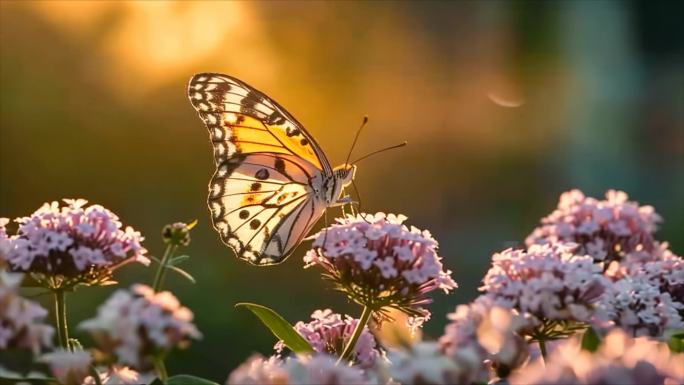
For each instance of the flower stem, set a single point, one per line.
(96, 376)
(363, 321)
(161, 270)
(542, 348)
(160, 368)
(61, 319)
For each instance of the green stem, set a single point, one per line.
(95, 374)
(161, 270)
(363, 321)
(160, 368)
(61, 319)
(542, 348)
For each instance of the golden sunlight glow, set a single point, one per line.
(396, 333)
(151, 42)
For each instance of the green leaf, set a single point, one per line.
(182, 272)
(184, 379)
(157, 381)
(676, 343)
(175, 261)
(590, 340)
(279, 327)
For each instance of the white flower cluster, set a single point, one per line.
(134, 324)
(620, 359)
(547, 281)
(304, 370)
(21, 321)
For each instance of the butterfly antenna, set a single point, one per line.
(381, 150)
(356, 137)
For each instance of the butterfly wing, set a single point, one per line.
(255, 122)
(261, 193)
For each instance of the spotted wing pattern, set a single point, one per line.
(260, 196)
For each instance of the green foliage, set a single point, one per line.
(590, 340)
(676, 343)
(279, 327)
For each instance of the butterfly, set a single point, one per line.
(272, 181)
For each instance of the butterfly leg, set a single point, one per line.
(325, 236)
(345, 200)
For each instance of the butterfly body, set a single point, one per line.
(272, 181)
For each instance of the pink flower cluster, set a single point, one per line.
(620, 359)
(608, 230)
(316, 369)
(482, 334)
(71, 239)
(648, 296)
(424, 363)
(69, 368)
(21, 321)
(378, 261)
(329, 333)
(137, 323)
(4, 242)
(120, 375)
(645, 291)
(547, 281)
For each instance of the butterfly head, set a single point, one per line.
(342, 177)
(344, 174)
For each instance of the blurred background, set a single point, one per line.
(505, 105)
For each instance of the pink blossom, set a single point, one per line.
(69, 368)
(137, 323)
(620, 359)
(120, 375)
(379, 262)
(547, 281)
(483, 334)
(425, 363)
(22, 322)
(73, 241)
(608, 230)
(302, 370)
(329, 332)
